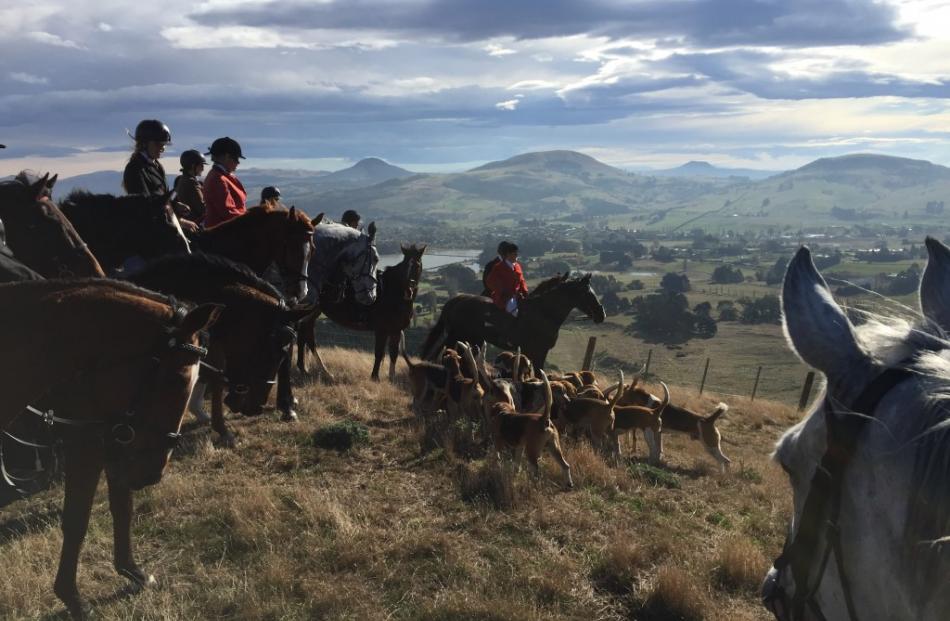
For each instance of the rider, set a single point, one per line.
(225, 197)
(144, 174)
(351, 219)
(270, 197)
(506, 281)
(502, 249)
(188, 189)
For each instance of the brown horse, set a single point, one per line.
(475, 319)
(120, 227)
(264, 236)
(110, 367)
(39, 234)
(251, 337)
(388, 316)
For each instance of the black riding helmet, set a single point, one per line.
(152, 129)
(225, 146)
(190, 158)
(270, 192)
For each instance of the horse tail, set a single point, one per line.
(428, 348)
(402, 350)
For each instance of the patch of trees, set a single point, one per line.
(614, 304)
(726, 274)
(727, 310)
(905, 282)
(622, 260)
(663, 255)
(667, 318)
(459, 279)
(766, 309)
(846, 213)
(883, 255)
(675, 283)
(552, 267)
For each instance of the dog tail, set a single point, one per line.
(516, 367)
(548, 397)
(470, 363)
(721, 409)
(613, 402)
(666, 399)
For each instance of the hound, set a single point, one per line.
(629, 418)
(426, 384)
(596, 416)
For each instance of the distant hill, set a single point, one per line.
(705, 169)
(368, 171)
(551, 184)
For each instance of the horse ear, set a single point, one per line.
(291, 213)
(371, 230)
(566, 275)
(586, 278)
(817, 328)
(318, 219)
(935, 285)
(199, 318)
(403, 249)
(39, 186)
(52, 182)
(422, 249)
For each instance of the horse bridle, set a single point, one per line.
(120, 429)
(824, 498)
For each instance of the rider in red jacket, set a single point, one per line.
(225, 197)
(506, 281)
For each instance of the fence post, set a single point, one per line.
(589, 354)
(806, 390)
(755, 387)
(702, 384)
(646, 368)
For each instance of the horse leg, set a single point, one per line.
(120, 505)
(82, 476)
(306, 339)
(285, 392)
(393, 354)
(217, 414)
(380, 352)
(196, 404)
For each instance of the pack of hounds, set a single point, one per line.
(525, 412)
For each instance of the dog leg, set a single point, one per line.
(554, 448)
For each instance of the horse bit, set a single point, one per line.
(824, 495)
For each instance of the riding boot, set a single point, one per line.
(196, 405)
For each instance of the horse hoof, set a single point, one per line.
(228, 440)
(289, 416)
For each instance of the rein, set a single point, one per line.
(824, 498)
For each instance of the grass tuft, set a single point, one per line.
(740, 566)
(657, 477)
(341, 436)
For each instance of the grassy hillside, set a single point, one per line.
(282, 529)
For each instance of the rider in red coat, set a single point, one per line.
(225, 197)
(506, 281)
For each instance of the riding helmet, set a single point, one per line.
(270, 192)
(226, 146)
(189, 158)
(152, 129)
(350, 217)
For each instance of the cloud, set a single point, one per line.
(700, 22)
(51, 39)
(494, 49)
(510, 104)
(28, 78)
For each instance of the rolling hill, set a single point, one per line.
(705, 169)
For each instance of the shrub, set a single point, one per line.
(674, 596)
(655, 476)
(617, 570)
(341, 436)
(740, 566)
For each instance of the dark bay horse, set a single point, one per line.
(39, 234)
(252, 336)
(110, 367)
(120, 227)
(388, 316)
(262, 237)
(474, 319)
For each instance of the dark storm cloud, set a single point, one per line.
(698, 22)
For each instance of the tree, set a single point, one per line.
(675, 283)
(663, 255)
(727, 311)
(666, 318)
(906, 281)
(766, 309)
(460, 279)
(726, 274)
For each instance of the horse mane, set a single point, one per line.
(924, 350)
(122, 286)
(216, 267)
(84, 199)
(551, 284)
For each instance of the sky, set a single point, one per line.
(447, 85)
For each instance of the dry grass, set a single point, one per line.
(281, 529)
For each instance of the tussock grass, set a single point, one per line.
(280, 529)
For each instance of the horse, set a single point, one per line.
(474, 319)
(120, 227)
(870, 465)
(39, 234)
(388, 316)
(248, 341)
(261, 237)
(110, 368)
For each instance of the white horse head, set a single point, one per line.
(358, 262)
(870, 465)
